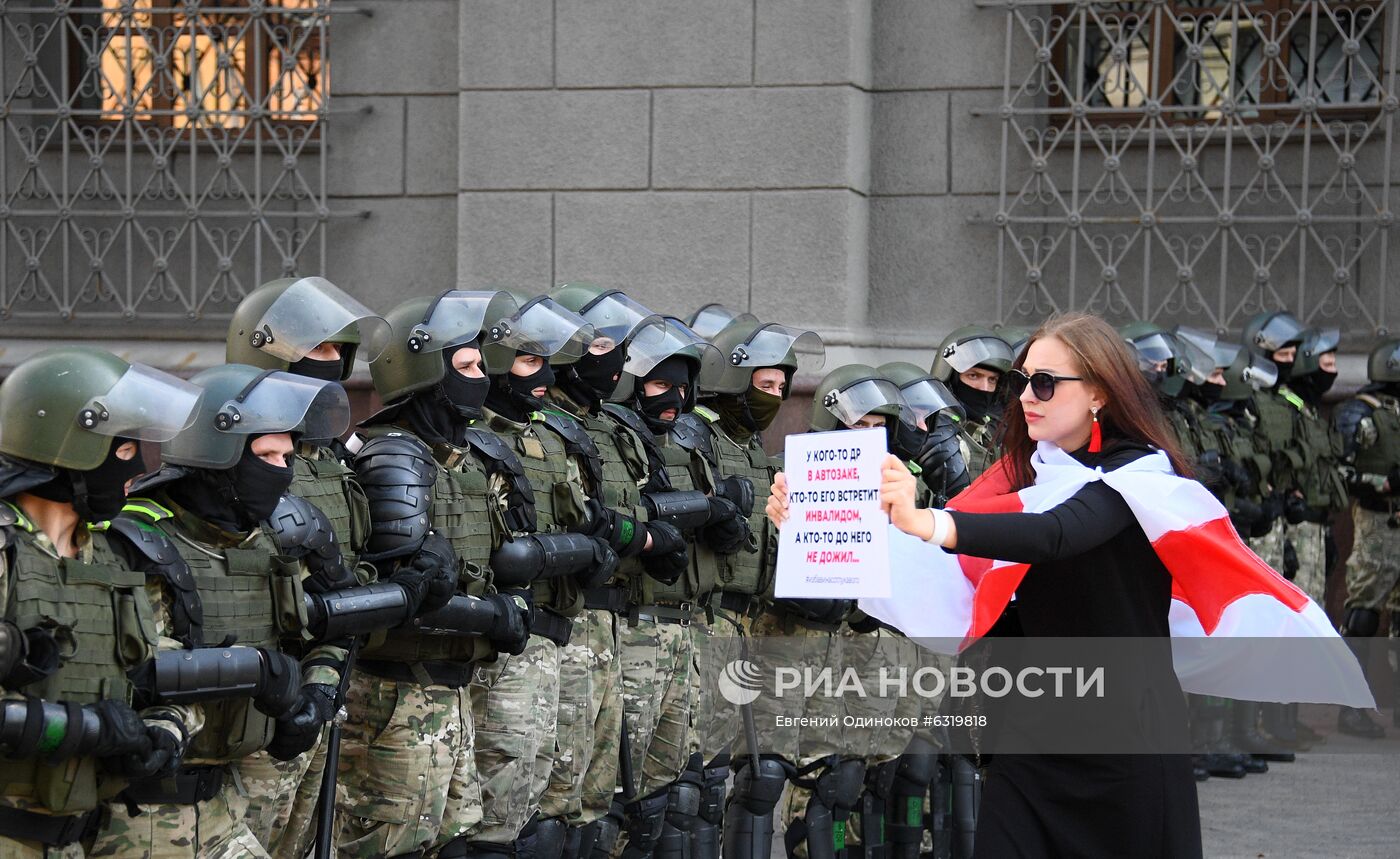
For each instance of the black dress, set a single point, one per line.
(1092, 573)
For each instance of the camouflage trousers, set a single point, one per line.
(1308, 544)
(585, 769)
(13, 848)
(272, 791)
(658, 699)
(216, 829)
(292, 838)
(514, 700)
(1373, 570)
(718, 722)
(406, 765)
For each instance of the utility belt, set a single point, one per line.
(1376, 505)
(734, 602)
(551, 625)
(824, 615)
(188, 786)
(48, 829)
(682, 613)
(454, 675)
(606, 599)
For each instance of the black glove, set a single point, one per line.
(430, 578)
(279, 689)
(738, 491)
(604, 565)
(26, 656)
(1295, 509)
(121, 732)
(160, 760)
(1290, 561)
(1245, 516)
(624, 535)
(1237, 476)
(940, 458)
(297, 732)
(727, 529)
(1272, 508)
(667, 559)
(510, 632)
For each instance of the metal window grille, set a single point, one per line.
(158, 159)
(1199, 161)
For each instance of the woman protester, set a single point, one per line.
(1092, 572)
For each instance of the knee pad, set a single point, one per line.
(550, 835)
(683, 800)
(644, 821)
(607, 828)
(840, 785)
(758, 792)
(1361, 623)
(712, 791)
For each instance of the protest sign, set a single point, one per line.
(835, 544)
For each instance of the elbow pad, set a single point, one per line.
(397, 473)
(357, 611)
(528, 558)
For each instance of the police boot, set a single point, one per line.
(904, 813)
(605, 832)
(967, 798)
(682, 811)
(748, 815)
(1281, 724)
(550, 835)
(879, 784)
(1359, 625)
(1220, 758)
(1248, 738)
(705, 837)
(834, 795)
(1358, 723)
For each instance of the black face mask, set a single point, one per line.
(1207, 393)
(763, 408)
(601, 372)
(905, 441)
(464, 394)
(1312, 386)
(979, 404)
(97, 495)
(510, 395)
(257, 485)
(326, 371)
(652, 407)
(1285, 371)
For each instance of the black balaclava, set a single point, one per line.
(978, 404)
(326, 371)
(675, 370)
(1206, 393)
(443, 412)
(905, 440)
(98, 494)
(1313, 385)
(236, 499)
(601, 372)
(1285, 370)
(509, 395)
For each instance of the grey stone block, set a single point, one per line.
(921, 44)
(554, 140)
(365, 151)
(506, 43)
(909, 143)
(976, 149)
(430, 167)
(657, 43)
(930, 270)
(809, 257)
(672, 251)
(812, 42)
(761, 138)
(402, 250)
(504, 238)
(404, 48)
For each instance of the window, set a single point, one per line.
(1265, 59)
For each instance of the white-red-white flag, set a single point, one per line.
(1239, 629)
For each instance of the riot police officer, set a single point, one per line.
(930, 442)
(971, 361)
(77, 614)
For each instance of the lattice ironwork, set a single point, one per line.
(160, 158)
(1200, 161)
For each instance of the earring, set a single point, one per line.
(1095, 434)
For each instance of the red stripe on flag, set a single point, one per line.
(1212, 567)
(994, 587)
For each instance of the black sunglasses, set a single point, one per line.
(1042, 383)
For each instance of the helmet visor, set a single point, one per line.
(854, 402)
(654, 344)
(282, 402)
(617, 317)
(313, 311)
(1209, 343)
(928, 397)
(1321, 341)
(1279, 331)
(1260, 373)
(144, 403)
(769, 347)
(457, 317)
(712, 318)
(1154, 347)
(543, 327)
(992, 351)
(1193, 362)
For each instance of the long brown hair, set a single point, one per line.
(1132, 413)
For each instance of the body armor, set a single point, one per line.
(749, 571)
(979, 445)
(681, 464)
(1378, 444)
(98, 611)
(322, 479)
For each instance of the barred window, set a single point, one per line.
(1261, 59)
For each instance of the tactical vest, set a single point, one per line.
(1383, 454)
(979, 445)
(1277, 434)
(331, 486)
(465, 515)
(99, 614)
(750, 570)
(623, 471)
(252, 597)
(682, 466)
(1323, 487)
(1238, 437)
(1185, 432)
(559, 500)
